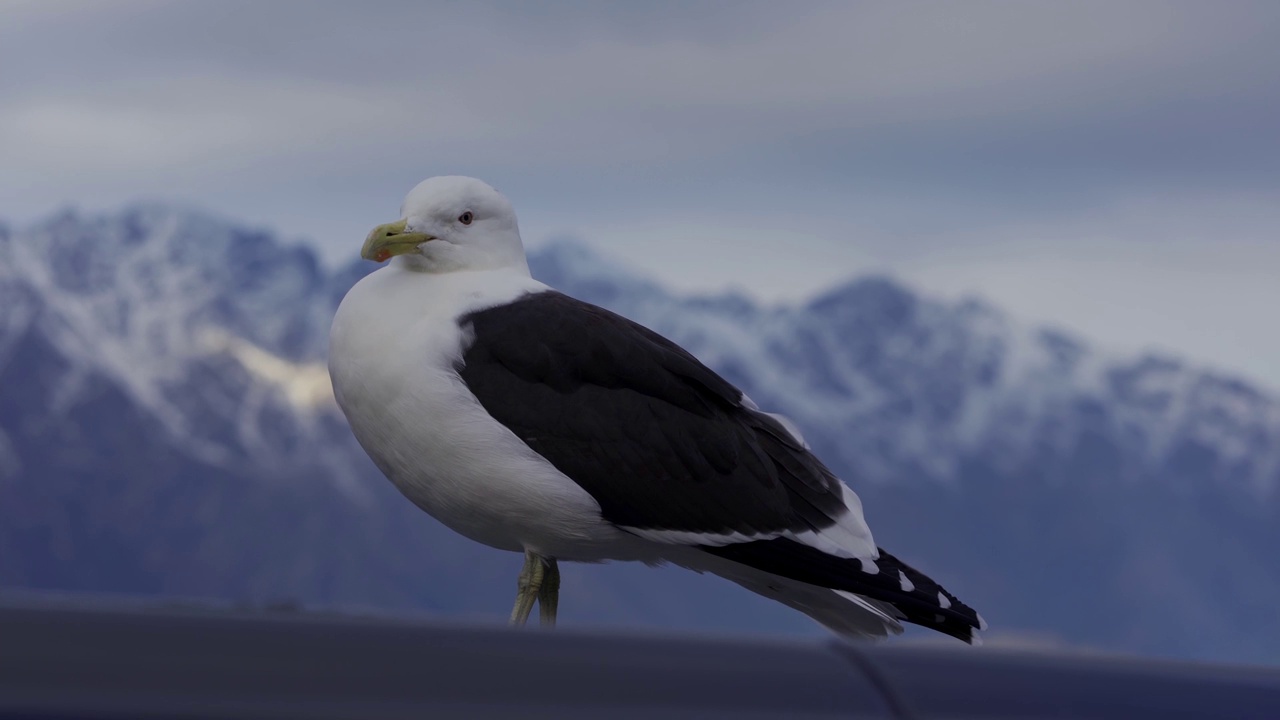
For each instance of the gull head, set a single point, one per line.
(450, 223)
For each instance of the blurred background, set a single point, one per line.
(1010, 265)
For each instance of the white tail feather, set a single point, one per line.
(841, 612)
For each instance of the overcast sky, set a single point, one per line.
(1110, 167)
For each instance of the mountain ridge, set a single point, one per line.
(165, 428)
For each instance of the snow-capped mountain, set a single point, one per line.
(166, 427)
(211, 332)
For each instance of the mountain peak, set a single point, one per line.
(131, 298)
(879, 294)
(575, 267)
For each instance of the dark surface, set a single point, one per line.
(1024, 685)
(73, 663)
(78, 662)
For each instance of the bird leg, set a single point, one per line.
(527, 587)
(539, 582)
(549, 594)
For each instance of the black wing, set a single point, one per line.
(656, 437)
(663, 443)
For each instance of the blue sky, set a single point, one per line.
(1110, 167)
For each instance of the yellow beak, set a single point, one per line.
(387, 241)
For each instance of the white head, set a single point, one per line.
(451, 223)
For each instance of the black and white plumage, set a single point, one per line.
(533, 422)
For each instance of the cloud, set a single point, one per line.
(582, 89)
(759, 144)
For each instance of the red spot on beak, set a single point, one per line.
(381, 255)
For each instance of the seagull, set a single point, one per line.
(533, 422)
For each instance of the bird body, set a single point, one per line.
(533, 422)
(433, 439)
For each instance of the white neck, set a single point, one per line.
(442, 257)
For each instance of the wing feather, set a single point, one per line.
(660, 440)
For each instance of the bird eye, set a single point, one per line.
(466, 218)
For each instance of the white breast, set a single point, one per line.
(393, 349)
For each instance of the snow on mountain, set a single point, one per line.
(166, 426)
(218, 332)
